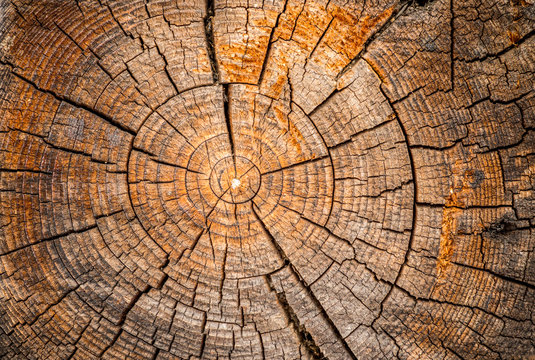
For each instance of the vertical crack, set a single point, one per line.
(223, 273)
(270, 43)
(331, 162)
(228, 120)
(166, 69)
(204, 335)
(210, 42)
(414, 203)
(452, 64)
(263, 351)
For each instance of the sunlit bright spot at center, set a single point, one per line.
(235, 183)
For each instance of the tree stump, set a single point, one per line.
(282, 179)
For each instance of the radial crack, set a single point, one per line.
(309, 291)
(72, 102)
(395, 14)
(210, 41)
(305, 338)
(228, 120)
(296, 164)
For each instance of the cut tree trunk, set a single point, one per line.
(254, 179)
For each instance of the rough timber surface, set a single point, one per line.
(267, 179)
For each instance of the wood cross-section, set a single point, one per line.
(267, 179)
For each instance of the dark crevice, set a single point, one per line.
(65, 149)
(499, 276)
(228, 120)
(333, 173)
(305, 338)
(163, 162)
(223, 267)
(210, 42)
(131, 202)
(296, 164)
(127, 34)
(32, 171)
(156, 353)
(52, 238)
(423, 2)
(437, 148)
(113, 341)
(395, 14)
(414, 206)
(270, 43)
(71, 102)
(452, 58)
(166, 69)
(227, 116)
(68, 36)
(505, 50)
(203, 345)
(112, 213)
(204, 334)
(294, 272)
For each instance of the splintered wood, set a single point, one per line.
(267, 179)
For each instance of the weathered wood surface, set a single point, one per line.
(267, 179)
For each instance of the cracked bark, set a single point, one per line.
(279, 180)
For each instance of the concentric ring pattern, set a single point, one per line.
(274, 179)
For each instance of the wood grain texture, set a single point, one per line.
(267, 179)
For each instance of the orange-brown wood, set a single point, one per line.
(283, 179)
